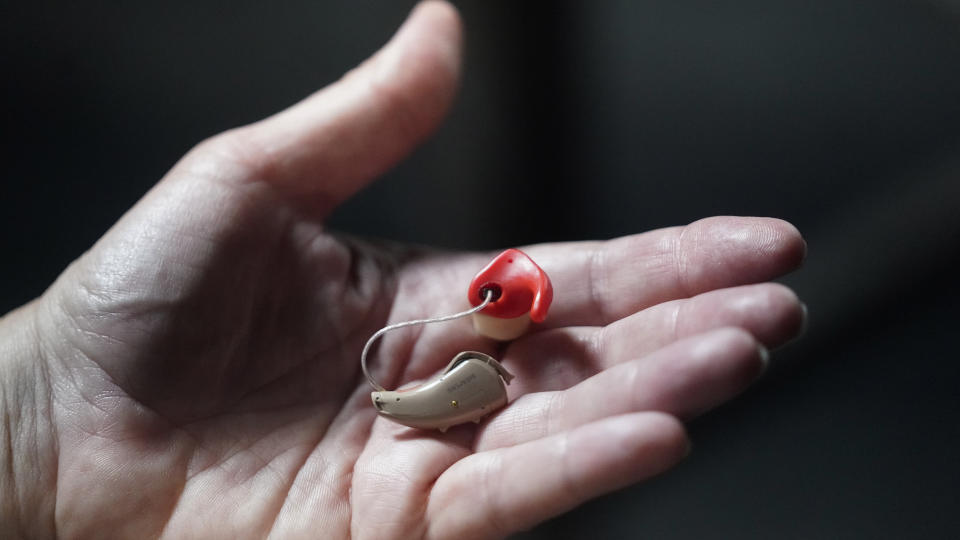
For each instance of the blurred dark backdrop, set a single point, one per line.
(590, 120)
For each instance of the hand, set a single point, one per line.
(196, 373)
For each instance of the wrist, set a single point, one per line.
(28, 463)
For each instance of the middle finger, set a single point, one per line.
(559, 358)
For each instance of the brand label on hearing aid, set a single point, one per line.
(461, 383)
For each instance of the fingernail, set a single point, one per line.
(804, 319)
(764, 356)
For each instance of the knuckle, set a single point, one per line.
(235, 153)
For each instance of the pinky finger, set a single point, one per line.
(501, 491)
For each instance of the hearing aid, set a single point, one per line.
(521, 293)
(471, 386)
(507, 295)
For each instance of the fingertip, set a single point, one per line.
(417, 72)
(673, 437)
(745, 357)
(772, 312)
(798, 325)
(731, 250)
(790, 242)
(728, 340)
(778, 238)
(438, 21)
(445, 15)
(632, 446)
(781, 317)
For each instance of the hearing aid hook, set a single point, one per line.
(366, 348)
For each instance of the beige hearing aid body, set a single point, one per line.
(471, 387)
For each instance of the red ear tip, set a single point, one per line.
(522, 285)
(541, 302)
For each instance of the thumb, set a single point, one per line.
(325, 148)
(213, 225)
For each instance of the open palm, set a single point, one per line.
(202, 358)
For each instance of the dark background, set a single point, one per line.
(590, 120)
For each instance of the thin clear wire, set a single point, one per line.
(385, 329)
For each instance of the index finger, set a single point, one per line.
(597, 283)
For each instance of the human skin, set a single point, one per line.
(196, 374)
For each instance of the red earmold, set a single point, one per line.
(518, 286)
